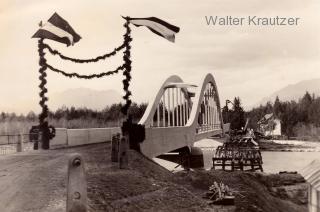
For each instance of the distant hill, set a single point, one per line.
(78, 97)
(294, 91)
(84, 97)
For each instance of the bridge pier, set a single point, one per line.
(196, 158)
(187, 157)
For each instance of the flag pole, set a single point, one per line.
(44, 109)
(44, 130)
(127, 67)
(127, 123)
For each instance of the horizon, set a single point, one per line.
(246, 109)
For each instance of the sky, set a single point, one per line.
(246, 61)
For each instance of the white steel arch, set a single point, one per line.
(176, 117)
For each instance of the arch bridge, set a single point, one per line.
(181, 114)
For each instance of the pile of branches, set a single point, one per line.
(220, 194)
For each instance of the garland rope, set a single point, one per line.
(127, 67)
(91, 76)
(102, 57)
(49, 131)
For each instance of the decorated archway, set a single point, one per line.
(58, 29)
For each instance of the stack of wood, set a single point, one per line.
(220, 194)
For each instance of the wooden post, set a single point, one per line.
(19, 144)
(260, 167)
(213, 165)
(232, 165)
(115, 147)
(223, 164)
(252, 164)
(77, 185)
(36, 142)
(241, 164)
(123, 152)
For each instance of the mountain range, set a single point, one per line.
(99, 99)
(78, 97)
(84, 97)
(294, 91)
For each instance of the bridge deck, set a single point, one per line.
(33, 181)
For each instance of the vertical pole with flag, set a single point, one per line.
(57, 29)
(135, 132)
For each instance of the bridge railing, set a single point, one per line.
(174, 102)
(173, 108)
(209, 112)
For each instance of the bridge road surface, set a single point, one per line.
(33, 181)
(36, 180)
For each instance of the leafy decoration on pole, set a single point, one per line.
(127, 67)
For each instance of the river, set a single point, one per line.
(273, 162)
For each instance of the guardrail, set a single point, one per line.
(12, 143)
(76, 137)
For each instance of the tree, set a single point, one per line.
(3, 116)
(237, 115)
(277, 109)
(314, 113)
(268, 108)
(303, 107)
(31, 116)
(226, 114)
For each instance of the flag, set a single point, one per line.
(57, 29)
(157, 26)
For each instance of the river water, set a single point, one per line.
(273, 162)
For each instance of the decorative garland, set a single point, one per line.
(91, 76)
(127, 67)
(102, 57)
(44, 90)
(49, 131)
(47, 134)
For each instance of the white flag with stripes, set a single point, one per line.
(157, 26)
(57, 29)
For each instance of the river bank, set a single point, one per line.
(277, 155)
(289, 145)
(146, 186)
(254, 192)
